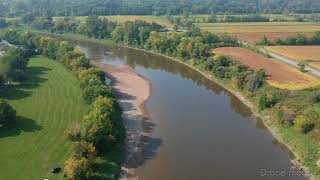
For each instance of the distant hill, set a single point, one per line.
(155, 7)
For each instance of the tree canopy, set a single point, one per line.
(153, 7)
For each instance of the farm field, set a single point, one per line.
(122, 18)
(47, 103)
(279, 74)
(254, 32)
(299, 53)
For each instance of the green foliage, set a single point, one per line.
(245, 18)
(97, 125)
(7, 113)
(267, 101)
(3, 23)
(300, 39)
(154, 7)
(265, 41)
(77, 168)
(90, 93)
(98, 28)
(304, 123)
(13, 65)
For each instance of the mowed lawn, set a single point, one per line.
(255, 31)
(47, 103)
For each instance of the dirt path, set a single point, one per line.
(132, 90)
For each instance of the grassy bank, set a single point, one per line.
(47, 103)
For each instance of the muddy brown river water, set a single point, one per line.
(199, 130)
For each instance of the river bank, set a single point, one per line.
(242, 96)
(132, 91)
(296, 161)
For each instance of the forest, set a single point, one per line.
(14, 8)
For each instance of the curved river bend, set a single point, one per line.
(199, 130)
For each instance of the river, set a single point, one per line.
(199, 130)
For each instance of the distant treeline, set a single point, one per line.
(154, 7)
(101, 130)
(242, 18)
(299, 39)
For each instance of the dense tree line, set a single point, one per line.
(101, 129)
(241, 18)
(154, 7)
(193, 44)
(13, 64)
(299, 39)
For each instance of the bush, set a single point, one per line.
(84, 149)
(74, 134)
(90, 93)
(90, 80)
(288, 117)
(263, 102)
(7, 113)
(304, 123)
(77, 168)
(255, 80)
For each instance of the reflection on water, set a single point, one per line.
(198, 129)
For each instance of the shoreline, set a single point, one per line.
(132, 91)
(265, 118)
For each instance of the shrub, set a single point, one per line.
(7, 113)
(255, 80)
(288, 117)
(90, 93)
(77, 168)
(263, 102)
(268, 100)
(74, 134)
(264, 41)
(90, 80)
(92, 71)
(304, 123)
(84, 149)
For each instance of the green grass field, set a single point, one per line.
(47, 103)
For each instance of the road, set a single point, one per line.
(310, 70)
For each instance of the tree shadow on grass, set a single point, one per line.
(20, 90)
(22, 124)
(106, 166)
(33, 79)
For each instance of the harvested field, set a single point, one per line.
(279, 74)
(299, 53)
(253, 32)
